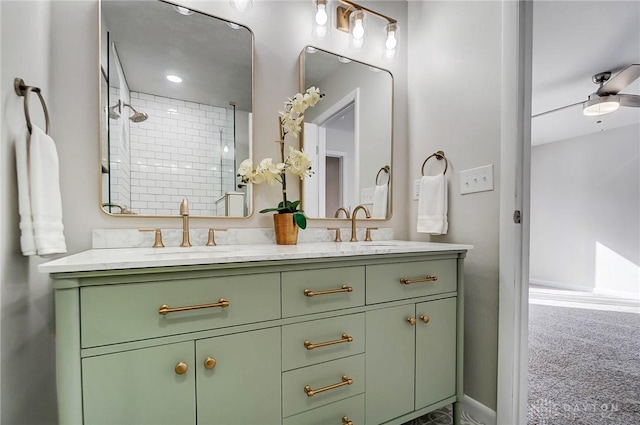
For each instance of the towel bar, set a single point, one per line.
(387, 170)
(24, 90)
(439, 155)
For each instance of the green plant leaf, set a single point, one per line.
(300, 220)
(266, 210)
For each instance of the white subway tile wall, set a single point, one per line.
(120, 170)
(184, 150)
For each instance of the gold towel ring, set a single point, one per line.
(24, 90)
(387, 170)
(439, 156)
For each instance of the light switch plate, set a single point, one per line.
(416, 189)
(366, 195)
(476, 180)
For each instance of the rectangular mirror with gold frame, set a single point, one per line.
(348, 135)
(176, 112)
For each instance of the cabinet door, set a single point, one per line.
(243, 386)
(390, 355)
(435, 351)
(140, 387)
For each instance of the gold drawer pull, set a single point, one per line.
(181, 368)
(425, 319)
(165, 309)
(345, 338)
(345, 381)
(427, 278)
(310, 293)
(346, 421)
(209, 363)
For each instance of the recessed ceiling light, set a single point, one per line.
(183, 10)
(233, 25)
(174, 78)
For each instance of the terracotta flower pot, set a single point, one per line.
(286, 229)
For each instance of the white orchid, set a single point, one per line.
(297, 162)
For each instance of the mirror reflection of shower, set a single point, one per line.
(116, 110)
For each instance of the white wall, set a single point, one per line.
(454, 73)
(26, 312)
(57, 49)
(585, 209)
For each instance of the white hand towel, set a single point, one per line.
(44, 194)
(432, 205)
(380, 195)
(27, 237)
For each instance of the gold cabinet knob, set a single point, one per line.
(209, 363)
(181, 368)
(411, 320)
(425, 319)
(346, 421)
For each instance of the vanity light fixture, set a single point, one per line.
(597, 105)
(183, 10)
(321, 20)
(241, 5)
(174, 78)
(352, 19)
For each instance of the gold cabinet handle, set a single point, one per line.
(344, 288)
(165, 309)
(310, 346)
(411, 320)
(209, 362)
(425, 319)
(427, 278)
(345, 381)
(181, 368)
(346, 421)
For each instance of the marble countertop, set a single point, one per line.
(134, 258)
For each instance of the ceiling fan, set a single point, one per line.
(607, 97)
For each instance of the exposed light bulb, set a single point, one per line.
(358, 29)
(174, 78)
(392, 41)
(241, 5)
(226, 149)
(321, 15)
(321, 31)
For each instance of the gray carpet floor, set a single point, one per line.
(584, 366)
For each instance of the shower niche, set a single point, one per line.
(176, 110)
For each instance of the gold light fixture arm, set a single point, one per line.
(366, 9)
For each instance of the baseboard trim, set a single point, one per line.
(560, 285)
(479, 411)
(618, 294)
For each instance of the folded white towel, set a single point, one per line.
(432, 205)
(380, 196)
(27, 237)
(39, 198)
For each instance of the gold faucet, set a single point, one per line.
(337, 229)
(184, 212)
(354, 238)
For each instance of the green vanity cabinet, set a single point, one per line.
(141, 386)
(238, 378)
(361, 339)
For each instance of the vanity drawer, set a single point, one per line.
(331, 339)
(318, 377)
(316, 283)
(352, 409)
(128, 312)
(384, 284)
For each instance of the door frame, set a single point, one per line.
(515, 164)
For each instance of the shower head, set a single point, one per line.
(137, 116)
(114, 111)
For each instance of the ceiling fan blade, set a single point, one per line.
(620, 81)
(632, 100)
(556, 110)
